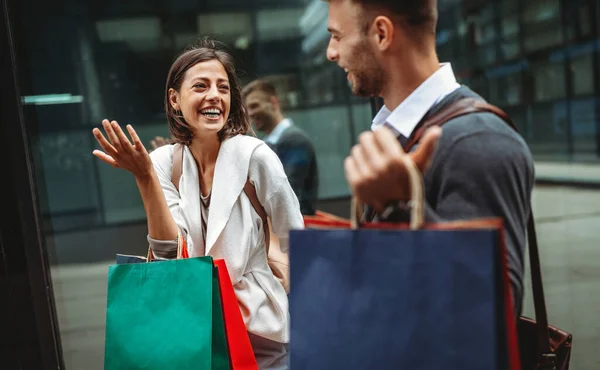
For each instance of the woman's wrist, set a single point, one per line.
(145, 179)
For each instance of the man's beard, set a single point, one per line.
(264, 122)
(368, 81)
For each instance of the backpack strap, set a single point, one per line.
(177, 169)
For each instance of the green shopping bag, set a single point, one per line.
(165, 315)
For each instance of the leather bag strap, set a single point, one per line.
(468, 106)
(177, 169)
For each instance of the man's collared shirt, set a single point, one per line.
(405, 117)
(275, 135)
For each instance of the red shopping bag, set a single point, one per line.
(240, 349)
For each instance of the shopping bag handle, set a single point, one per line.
(417, 208)
(181, 248)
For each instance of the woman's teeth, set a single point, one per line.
(211, 113)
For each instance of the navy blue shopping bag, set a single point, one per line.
(392, 298)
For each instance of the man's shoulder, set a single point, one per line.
(294, 135)
(483, 124)
(484, 142)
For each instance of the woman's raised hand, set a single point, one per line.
(119, 152)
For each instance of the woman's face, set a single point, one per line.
(204, 98)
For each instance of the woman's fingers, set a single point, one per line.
(137, 143)
(105, 158)
(123, 140)
(120, 152)
(108, 148)
(110, 133)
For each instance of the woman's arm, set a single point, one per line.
(161, 225)
(119, 152)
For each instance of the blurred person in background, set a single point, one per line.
(290, 143)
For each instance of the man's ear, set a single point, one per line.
(274, 101)
(383, 32)
(174, 99)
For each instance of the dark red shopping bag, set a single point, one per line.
(240, 349)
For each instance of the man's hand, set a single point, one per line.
(375, 171)
(160, 141)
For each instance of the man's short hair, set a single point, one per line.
(417, 14)
(264, 86)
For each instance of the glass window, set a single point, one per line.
(487, 54)
(510, 44)
(549, 81)
(584, 19)
(510, 26)
(510, 6)
(582, 70)
(518, 116)
(506, 90)
(71, 198)
(362, 118)
(480, 84)
(542, 25)
(513, 89)
(511, 49)
(579, 16)
(585, 121)
(322, 124)
(446, 44)
(549, 127)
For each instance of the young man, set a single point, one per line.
(292, 145)
(481, 167)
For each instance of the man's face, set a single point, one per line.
(349, 47)
(261, 110)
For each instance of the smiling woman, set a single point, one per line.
(198, 76)
(209, 206)
(203, 98)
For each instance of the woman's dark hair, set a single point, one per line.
(205, 50)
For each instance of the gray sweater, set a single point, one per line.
(482, 168)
